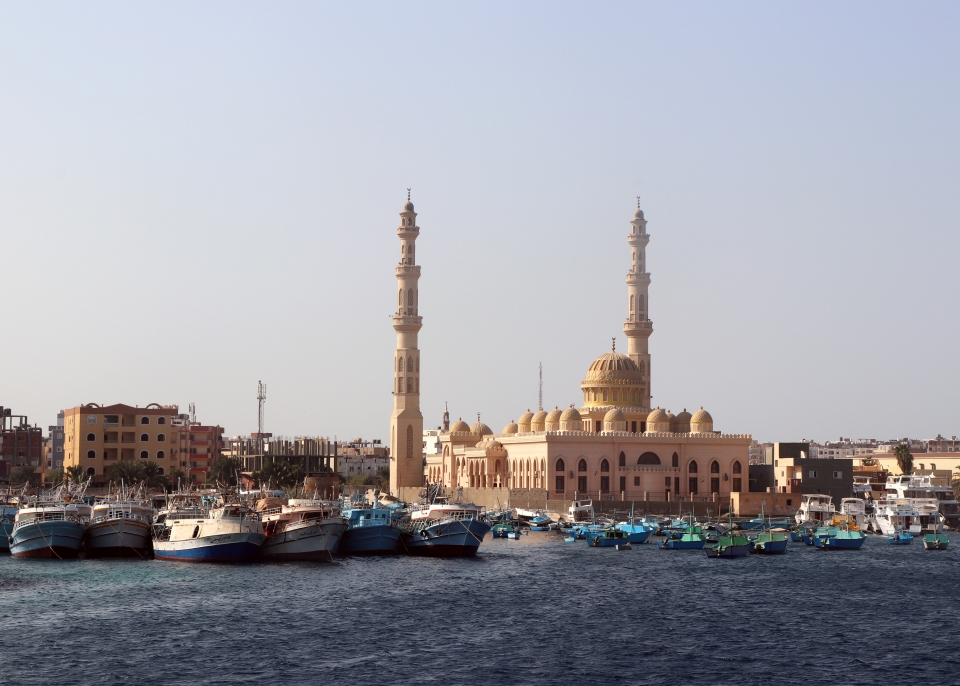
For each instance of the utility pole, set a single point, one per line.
(540, 405)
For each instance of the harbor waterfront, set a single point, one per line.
(521, 611)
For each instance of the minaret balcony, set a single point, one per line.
(636, 238)
(640, 325)
(642, 278)
(408, 269)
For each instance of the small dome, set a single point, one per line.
(489, 444)
(539, 418)
(658, 416)
(701, 416)
(511, 428)
(460, 427)
(638, 214)
(481, 429)
(554, 416)
(683, 417)
(614, 415)
(671, 416)
(408, 207)
(525, 417)
(571, 415)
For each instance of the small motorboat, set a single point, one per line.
(938, 541)
(839, 538)
(772, 542)
(900, 538)
(610, 538)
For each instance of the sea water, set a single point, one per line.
(533, 611)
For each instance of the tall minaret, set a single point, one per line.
(406, 422)
(638, 326)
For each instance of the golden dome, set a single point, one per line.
(612, 368)
(701, 416)
(539, 418)
(683, 417)
(525, 417)
(571, 415)
(481, 429)
(511, 428)
(614, 415)
(490, 445)
(554, 416)
(658, 416)
(460, 427)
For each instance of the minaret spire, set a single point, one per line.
(406, 422)
(638, 326)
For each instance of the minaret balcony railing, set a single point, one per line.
(641, 324)
(408, 269)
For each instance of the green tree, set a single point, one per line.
(152, 478)
(126, 471)
(54, 477)
(361, 480)
(75, 473)
(25, 474)
(904, 459)
(226, 469)
(279, 474)
(176, 476)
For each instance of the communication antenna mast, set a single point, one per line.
(541, 386)
(261, 399)
(193, 413)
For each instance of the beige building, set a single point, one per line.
(97, 436)
(614, 445)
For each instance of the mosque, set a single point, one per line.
(614, 446)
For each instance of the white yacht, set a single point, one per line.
(815, 507)
(855, 510)
(923, 487)
(895, 515)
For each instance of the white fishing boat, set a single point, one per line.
(121, 525)
(815, 507)
(303, 529)
(581, 511)
(227, 532)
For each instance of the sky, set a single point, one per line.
(195, 197)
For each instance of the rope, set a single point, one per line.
(45, 541)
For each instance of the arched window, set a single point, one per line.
(161, 454)
(144, 438)
(692, 468)
(400, 365)
(675, 462)
(737, 469)
(560, 465)
(409, 364)
(582, 466)
(631, 303)
(91, 437)
(714, 467)
(161, 420)
(160, 471)
(410, 300)
(409, 385)
(161, 438)
(648, 458)
(144, 455)
(623, 460)
(91, 471)
(409, 441)
(144, 420)
(91, 454)
(604, 466)
(641, 303)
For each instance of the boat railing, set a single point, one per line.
(359, 523)
(118, 515)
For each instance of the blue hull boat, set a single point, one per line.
(770, 547)
(370, 540)
(796, 537)
(233, 547)
(900, 538)
(832, 539)
(61, 539)
(446, 538)
(636, 533)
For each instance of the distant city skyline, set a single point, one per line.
(193, 199)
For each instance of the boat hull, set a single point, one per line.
(370, 540)
(315, 541)
(900, 539)
(61, 539)
(728, 550)
(935, 542)
(6, 530)
(118, 538)
(230, 547)
(834, 543)
(674, 544)
(451, 538)
(770, 547)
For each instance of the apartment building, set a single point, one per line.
(198, 447)
(96, 436)
(20, 443)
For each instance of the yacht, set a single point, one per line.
(924, 487)
(190, 532)
(855, 510)
(307, 529)
(896, 515)
(52, 526)
(121, 526)
(815, 507)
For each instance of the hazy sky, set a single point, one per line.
(198, 196)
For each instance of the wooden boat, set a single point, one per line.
(900, 538)
(938, 541)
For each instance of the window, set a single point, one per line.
(813, 473)
(599, 427)
(737, 483)
(560, 465)
(648, 458)
(693, 485)
(400, 363)
(633, 425)
(623, 460)
(715, 485)
(636, 481)
(91, 419)
(604, 484)
(409, 441)
(666, 482)
(838, 475)
(144, 455)
(144, 437)
(692, 468)
(161, 438)
(737, 469)
(616, 396)
(623, 484)
(91, 437)
(789, 502)
(582, 484)
(714, 468)
(675, 461)
(676, 484)
(91, 471)
(160, 471)
(582, 466)
(111, 419)
(91, 454)
(604, 466)
(559, 488)
(144, 420)
(604, 396)
(161, 420)
(160, 455)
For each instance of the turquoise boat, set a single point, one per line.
(938, 541)
(691, 539)
(730, 544)
(610, 538)
(837, 538)
(900, 538)
(772, 542)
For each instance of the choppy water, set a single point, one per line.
(534, 611)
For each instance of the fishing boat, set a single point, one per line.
(569, 539)
(610, 538)
(815, 507)
(52, 526)
(637, 530)
(305, 529)
(581, 512)
(839, 538)
(437, 528)
(770, 542)
(121, 525)
(370, 530)
(731, 544)
(8, 512)
(938, 541)
(900, 538)
(190, 532)
(692, 538)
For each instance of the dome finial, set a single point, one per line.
(613, 346)
(638, 201)
(408, 198)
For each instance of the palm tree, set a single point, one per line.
(75, 473)
(904, 459)
(152, 477)
(226, 470)
(127, 471)
(54, 477)
(25, 474)
(177, 477)
(282, 474)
